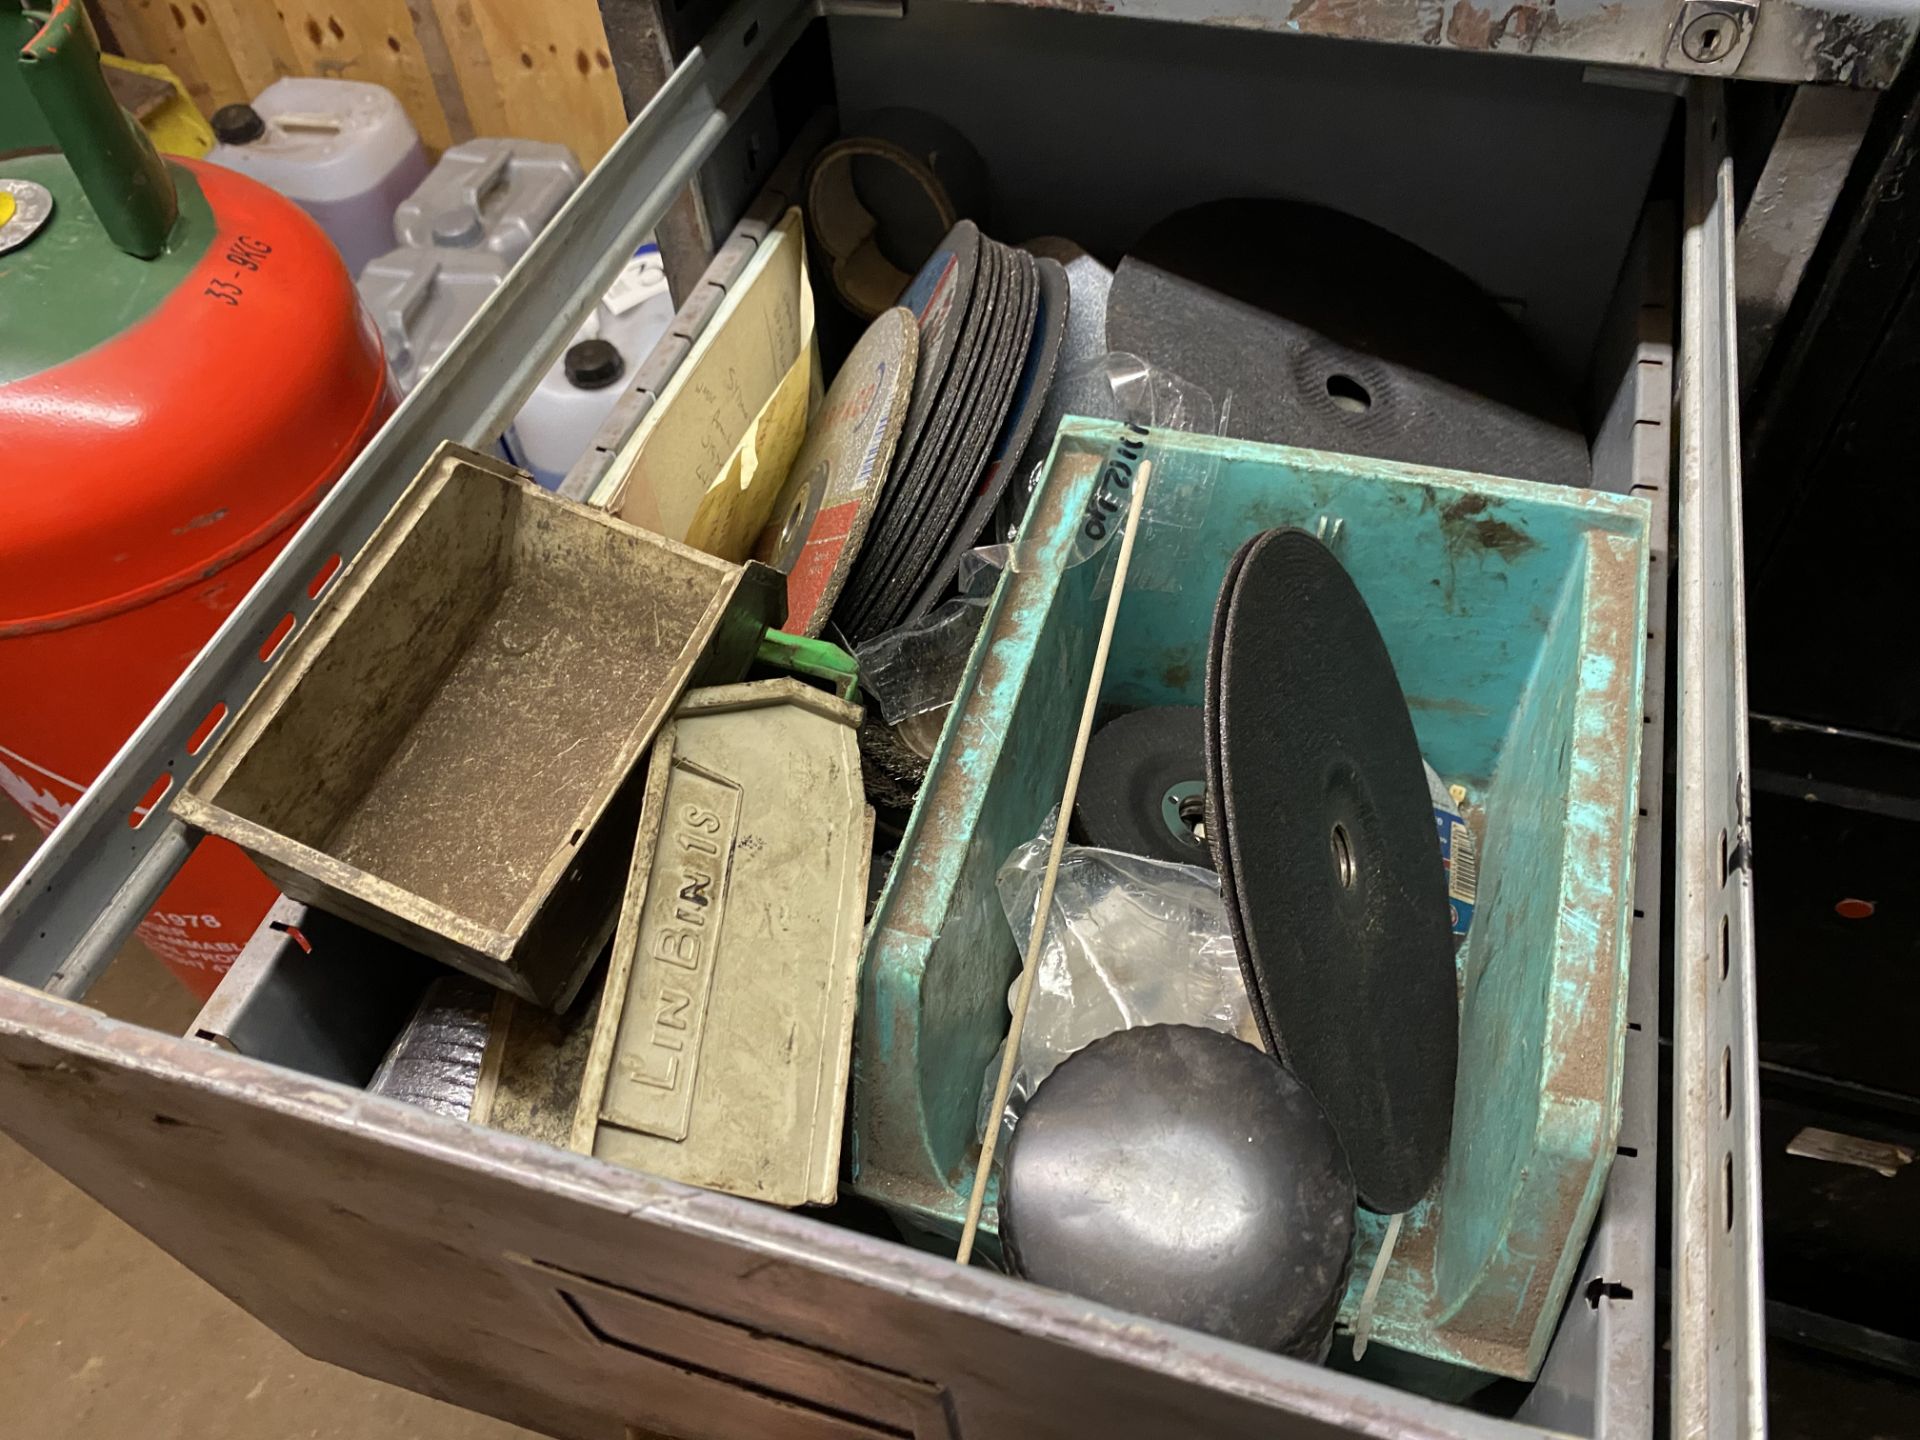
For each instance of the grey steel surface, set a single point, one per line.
(1598, 1377)
(66, 914)
(314, 993)
(641, 50)
(1428, 146)
(1719, 1322)
(522, 1280)
(1788, 212)
(1849, 42)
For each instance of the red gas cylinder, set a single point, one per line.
(169, 420)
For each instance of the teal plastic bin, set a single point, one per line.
(1516, 617)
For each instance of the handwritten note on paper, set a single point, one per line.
(709, 458)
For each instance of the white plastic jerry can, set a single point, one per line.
(575, 396)
(342, 150)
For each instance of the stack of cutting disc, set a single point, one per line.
(991, 318)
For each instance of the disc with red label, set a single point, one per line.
(821, 516)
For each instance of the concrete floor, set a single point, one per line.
(102, 1334)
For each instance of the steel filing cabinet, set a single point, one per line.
(1587, 184)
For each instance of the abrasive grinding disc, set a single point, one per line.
(938, 298)
(955, 474)
(1032, 383)
(820, 520)
(1331, 333)
(1143, 789)
(1323, 835)
(930, 420)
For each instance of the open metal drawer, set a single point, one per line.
(582, 1300)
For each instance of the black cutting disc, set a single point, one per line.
(1322, 830)
(1331, 333)
(1078, 386)
(1143, 789)
(931, 501)
(1033, 383)
(938, 297)
(898, 512)
(958, 473)
(1179, 1173)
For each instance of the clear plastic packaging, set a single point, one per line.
(1146, 400)
(1129, 941)
(916, 667)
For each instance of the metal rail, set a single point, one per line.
(1719, 1321)
(1823, 42)
(68, 912)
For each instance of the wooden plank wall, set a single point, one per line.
(539, 71)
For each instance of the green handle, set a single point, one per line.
(821, 659)
(124, 177)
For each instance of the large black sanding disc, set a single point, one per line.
(1331, 333)
(1179, 1173)
(1322, 830)
(1143, 787)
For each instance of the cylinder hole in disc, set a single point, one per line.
(1349, 394)
(1193, 814)
(1342, 848)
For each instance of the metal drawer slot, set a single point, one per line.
(1719, 1319)
(708, 1376)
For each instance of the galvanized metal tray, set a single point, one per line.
(720, 1057)
(447, 754)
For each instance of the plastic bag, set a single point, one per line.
(1130, 941)
(1150, 402)
(916, 667)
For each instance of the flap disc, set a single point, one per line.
(1322, 832)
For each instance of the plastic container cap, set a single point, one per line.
(459, 228)
(594, 364)
(238, 125)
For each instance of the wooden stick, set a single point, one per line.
(1363, 1323)
(1037, 935)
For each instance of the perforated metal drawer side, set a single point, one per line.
(1719, 1332)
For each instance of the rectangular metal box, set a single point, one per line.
(448, 753)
